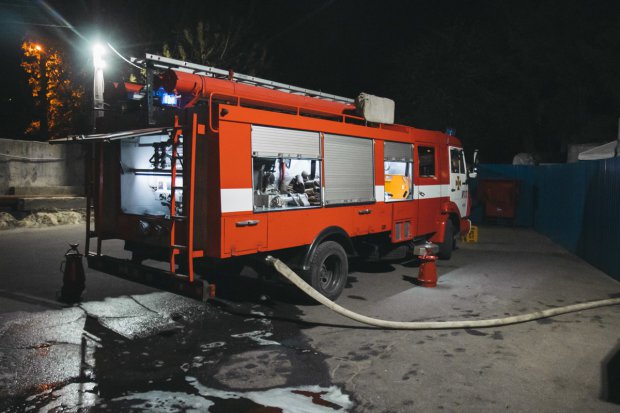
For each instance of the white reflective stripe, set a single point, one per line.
(446, 190)
(431, 191)
(236, 200)
(240, 199)
(379, 193)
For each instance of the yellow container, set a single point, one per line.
(397, 186)
(473, 234)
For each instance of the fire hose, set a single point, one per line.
(289, 274)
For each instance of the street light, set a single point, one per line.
(98, 52)
(99, 64)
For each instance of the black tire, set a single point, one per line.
(449, 241)
(329, 268)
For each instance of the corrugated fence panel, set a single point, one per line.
(599, 240)
(576, 205)
(559, 192)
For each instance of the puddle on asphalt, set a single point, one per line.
(161, 352)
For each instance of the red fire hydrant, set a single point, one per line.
(427, 275)
(73, 279)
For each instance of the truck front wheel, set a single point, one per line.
(329, 268)
(449, 240)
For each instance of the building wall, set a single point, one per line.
(39, 165)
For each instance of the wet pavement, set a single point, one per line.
(148, 350)
(260, 348)
(160, 352)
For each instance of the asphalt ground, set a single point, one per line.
(129, 347)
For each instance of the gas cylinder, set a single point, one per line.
(73, 275)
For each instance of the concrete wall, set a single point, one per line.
(39, 165)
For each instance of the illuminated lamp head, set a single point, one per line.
(98, 53)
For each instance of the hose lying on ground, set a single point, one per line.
(431, 325)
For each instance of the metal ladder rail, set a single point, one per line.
(175, 249)
(169, 63)
(188, 201)
(188, 204)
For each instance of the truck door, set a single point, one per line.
(398, 188)
(427, 187)
(458, 179)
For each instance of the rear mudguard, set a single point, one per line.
(330, 233)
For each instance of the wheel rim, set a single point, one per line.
(329, 273)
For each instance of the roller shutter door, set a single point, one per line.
(349, 170)
(397, 151)
(287, 143)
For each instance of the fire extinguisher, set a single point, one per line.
(73, 275)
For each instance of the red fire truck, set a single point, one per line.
(253, 167)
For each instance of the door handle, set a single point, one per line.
(248, 223)
(453, 190)
(422, 193)
(364, 211)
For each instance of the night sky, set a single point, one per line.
(528, 76)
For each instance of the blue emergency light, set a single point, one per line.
(168, 99)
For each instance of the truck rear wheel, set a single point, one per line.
(449, 239)
(329, 268)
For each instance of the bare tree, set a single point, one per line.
(229, 46)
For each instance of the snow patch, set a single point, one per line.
(41, 219)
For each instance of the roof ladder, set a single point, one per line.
(162, 62)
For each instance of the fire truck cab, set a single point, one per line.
(249, 170)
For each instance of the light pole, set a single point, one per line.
(99, 65)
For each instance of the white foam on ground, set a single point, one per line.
(209, 346)
(258, 336)
(166, 401)
(284, 398)
(260, 313)
(260, 320)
